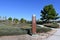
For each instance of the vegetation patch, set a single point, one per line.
(52, 25)
(43, 30)
(11, 31)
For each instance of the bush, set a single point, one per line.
(55, 25)
(42, 30)
(52, 25)
(39, 22)
(38, 30)
(11, 31)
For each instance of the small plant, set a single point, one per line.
(42, 29)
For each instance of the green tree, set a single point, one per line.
(23, 20)
(15, 20)
(48, 13)
(10, 20)
(0, 17)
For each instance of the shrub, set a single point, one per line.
(52, 25)
(11, 31)
(42, 29)
(38, 30)
(55, 25)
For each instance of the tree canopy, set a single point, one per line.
(15, 20)
(10, 19)
(23, 20)
(48, 13)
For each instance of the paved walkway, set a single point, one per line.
(56, 36)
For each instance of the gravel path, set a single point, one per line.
(23, 37)
(20, 37)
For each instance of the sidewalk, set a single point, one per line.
(56, 36)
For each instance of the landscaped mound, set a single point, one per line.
(11, 31)
(43, 30)
(15, 30)
(52, 25)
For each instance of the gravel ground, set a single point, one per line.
(21, 37)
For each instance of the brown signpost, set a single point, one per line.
(33, 24)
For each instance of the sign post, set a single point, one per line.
(33, 24)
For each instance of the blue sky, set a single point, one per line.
(25, 8)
